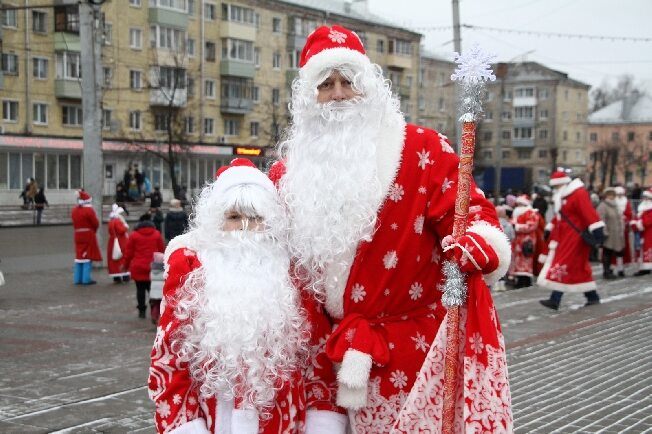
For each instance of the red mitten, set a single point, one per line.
(473, 253)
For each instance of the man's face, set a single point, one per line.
(335, 88)
(234, 221)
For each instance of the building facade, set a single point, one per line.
(534, 121)
(620, 142)
(211, 77)
(436, 103)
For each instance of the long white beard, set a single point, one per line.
(331, 185)
(621, 202)
(245, 332)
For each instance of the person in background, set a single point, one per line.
(176, 220)
(40, 202)
(643, 225)
(121, 197)
(87, 249)
(24, 194)
(524, 247)
(615, 243)
(540, 203)
(624, 257)
(118, 233)
(157, 277)
(156, 198)
(157, 217)
(143, 242)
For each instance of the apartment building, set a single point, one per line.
(212, 76)
(620, 142)
(534, 121)
(437, 104)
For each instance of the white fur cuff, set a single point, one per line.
(197, 426)
(325, 422)
(501, 245)
(355, 369)
(351, 398)
(244, 421)
(596, 225)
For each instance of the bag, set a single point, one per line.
(116, 254)
(527, 248)
(588, 238)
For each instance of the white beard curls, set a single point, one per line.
(331, 185)
(244, 332)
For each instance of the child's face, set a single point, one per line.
(234, 221)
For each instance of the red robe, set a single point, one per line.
(567, 265)
(307, 398)
(390, 307)
(627, 215)
(117, 229)
(527, 225)
(643, 224)
(85, 224)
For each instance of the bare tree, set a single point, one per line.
(606, 93)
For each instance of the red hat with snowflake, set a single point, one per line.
(558, 178)
(329, 47)
(241, 171)
(83, 198)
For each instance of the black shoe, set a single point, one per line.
(609, 276)
(591, 302)
(549, 304)
(642, 273)
(142, 314)
(621, 274)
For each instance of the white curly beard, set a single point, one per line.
(246, 332)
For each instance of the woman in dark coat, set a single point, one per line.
(176, 220)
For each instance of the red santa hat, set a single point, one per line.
(83, 198)
(523, 199)
(559, 178)
(328, 47)
(241, 171)
(647, 194)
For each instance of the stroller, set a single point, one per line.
(156, 276)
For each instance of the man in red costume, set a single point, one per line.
(85, 224)
(643, 224)
(231, 353)
(567, 267)
(624, 259)
(526, 244)
(371, 200)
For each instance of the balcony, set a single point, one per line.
(64, 41)
(296, 42)
(234, 30)
(165, 57)
(67, 89)
(524, 101)
(523, 122)
(236, 106)
(168, 17)
(161, 97)
(523, 143)
(236, 68)
(398, 61)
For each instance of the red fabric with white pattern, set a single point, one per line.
(526, 228)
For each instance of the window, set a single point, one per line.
(190, 47)
(135, 80)
(209, 52)
(40, 67)
(578, 137)
(136, 39)
(400, 47)
(10, 64)
(253, 129)
(237, 88)
(564, 155)
(565, 135)
(107, 117)
(578, 156)
(276, 25)
(66, 19)
(255, 94)
(506, 155)
(191, 7)
(302, 26)
(543, 93)
(209, 11)
(134, 120)
(39, 22)
(161, 121)
(237, 49)
(486, 136)
(189, 125)
(615, 137)
(523, 133)
(524, 113)
(40, 113)
(209, 126)
(257, 57)
(190, 84)
(630, 136)
(170, 77)
(440, 104)
(68, 65)
(238, 14)
(566, 98)
(543, 153)
(107, 73)
(167, 38)
(593, 137)
(488, 115)
(231, 127)
(10, 111)
(172, 4)
(506, 115)
(108, 34)
(73, 116)
(543, 134)
(209, 88)
(487, 154)
(276, 96)
(380, 46)
(294, 57)
(506, 134)
(276, 60)
(543, 114)
(9, 18)
(134, 3)
(524, 92)
(524, 154)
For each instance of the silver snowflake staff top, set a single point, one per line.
(473, 71)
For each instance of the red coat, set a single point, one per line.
(117, 229)
(567, 266)
(644, 225)
(176, 396)
(627, 214)
(390, 307)
(85, 224)
(527, 225)
(139, 254)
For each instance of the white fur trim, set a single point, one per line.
(549, 227)
(183, 241)
(647, 194)
(242, 175)
(646, 205)
(355, 369)
(325, 422)
(501, 245)
(195, 426)
(545, 283)
(391, 139)
(331, 58)
(244, 421)
(639, 225)
(559, 181)
(223, 414)
(596, 225)
(353, 399)
(571, 187)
